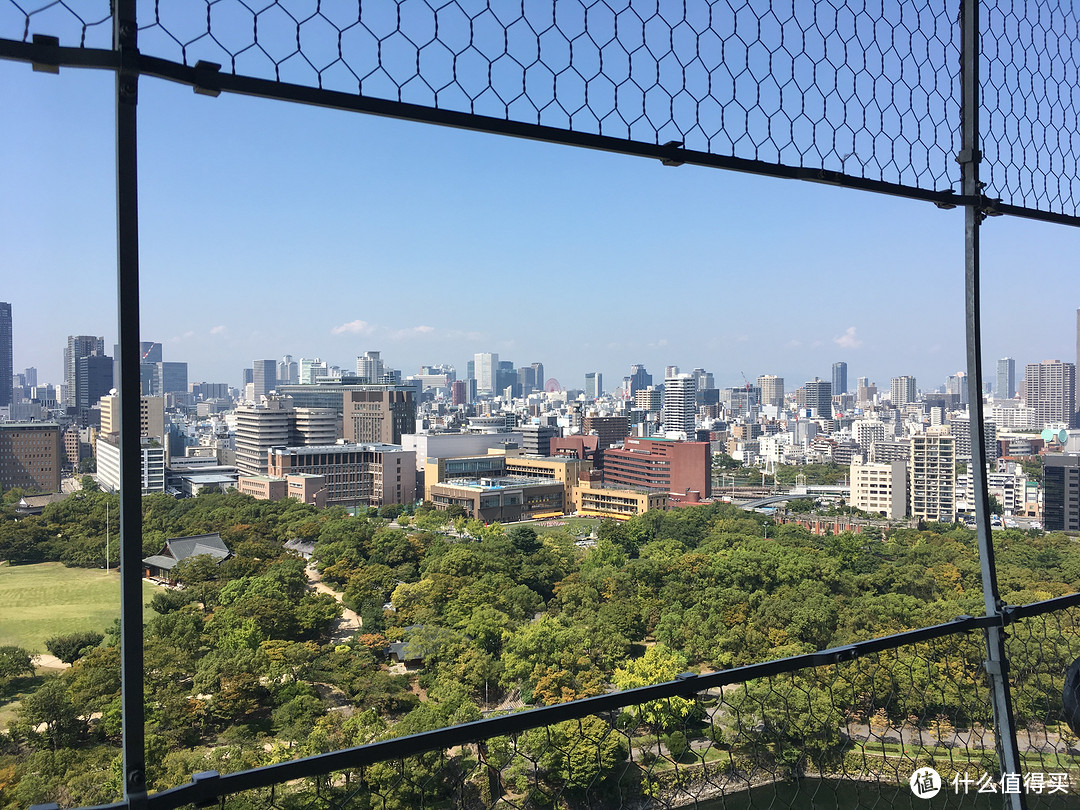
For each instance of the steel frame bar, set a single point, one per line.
(125, 32)
(129, 65)
(974, 213)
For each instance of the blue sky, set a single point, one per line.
(270, 228)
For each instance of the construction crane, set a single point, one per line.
(746, 382)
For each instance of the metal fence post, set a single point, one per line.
(996, 663)
(125, 43)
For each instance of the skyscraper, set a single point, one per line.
(772, 390)
(369, 367)
(819, 397)
(680, 404)
(6, 359)
(594, 384)
(1050, 392)
(485, 366)
(902, 390)
(264, 378)
(839, 378)
(538, 373)
(1006, 377)
(639, 379)
(79, 346)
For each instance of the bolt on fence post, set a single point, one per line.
(997, 671)
(125, 43)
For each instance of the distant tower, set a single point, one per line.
(6, 359)
(819, 397)
(640, 379)
(79, 346)
(772, 390)
(264, 378)
(594, 384)
(902, 390)
(485, 366)
(370, 366)
(680, 404)
(1050, 390)
(1006, 378)
(839, 378)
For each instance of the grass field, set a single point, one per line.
(45, 600)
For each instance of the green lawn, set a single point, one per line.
(45, 600)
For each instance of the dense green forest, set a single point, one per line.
(241, 668)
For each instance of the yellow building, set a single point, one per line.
(593, 500)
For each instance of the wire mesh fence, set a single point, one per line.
(867, 89)
(852, 733)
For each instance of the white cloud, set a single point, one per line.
(217, 330)
(412, 331)
(356, 327)
(848, 339)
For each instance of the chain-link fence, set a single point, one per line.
(867, 90)
(841, 729)
(862, 93)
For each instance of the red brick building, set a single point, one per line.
(673, 466)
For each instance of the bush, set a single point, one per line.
(677, 744)
(70, 648)
(14, 662)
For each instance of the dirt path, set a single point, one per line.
(48, 661)
(349, 624)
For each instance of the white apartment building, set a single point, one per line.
(880, 488)
(932, 475)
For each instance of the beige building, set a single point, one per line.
(595, 500)
(499, 462)
(151, 416)
(310, 489)
(355, 474)
(932, 475)
(880, 488)
(502, 499)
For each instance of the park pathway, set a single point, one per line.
(349, 624)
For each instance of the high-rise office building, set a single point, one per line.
(680, 404)
(772, 390)
(1050, 392)
(640, 379)
(902, 390)
(1061, 494)
(485, 367)
(538, 375)
(171, 378)
(839, 378)
(956, 386)
(594, 384)
(260, 426)
(93, 380)
(705, 380)
(1006, 378)
(6, 359)
(79, 346)
(370, 367)
(263, 378)
(31, 377)
(819, 397)
(288, 371)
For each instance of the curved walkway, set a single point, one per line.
(349, 624)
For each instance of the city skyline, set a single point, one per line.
(324, 234)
